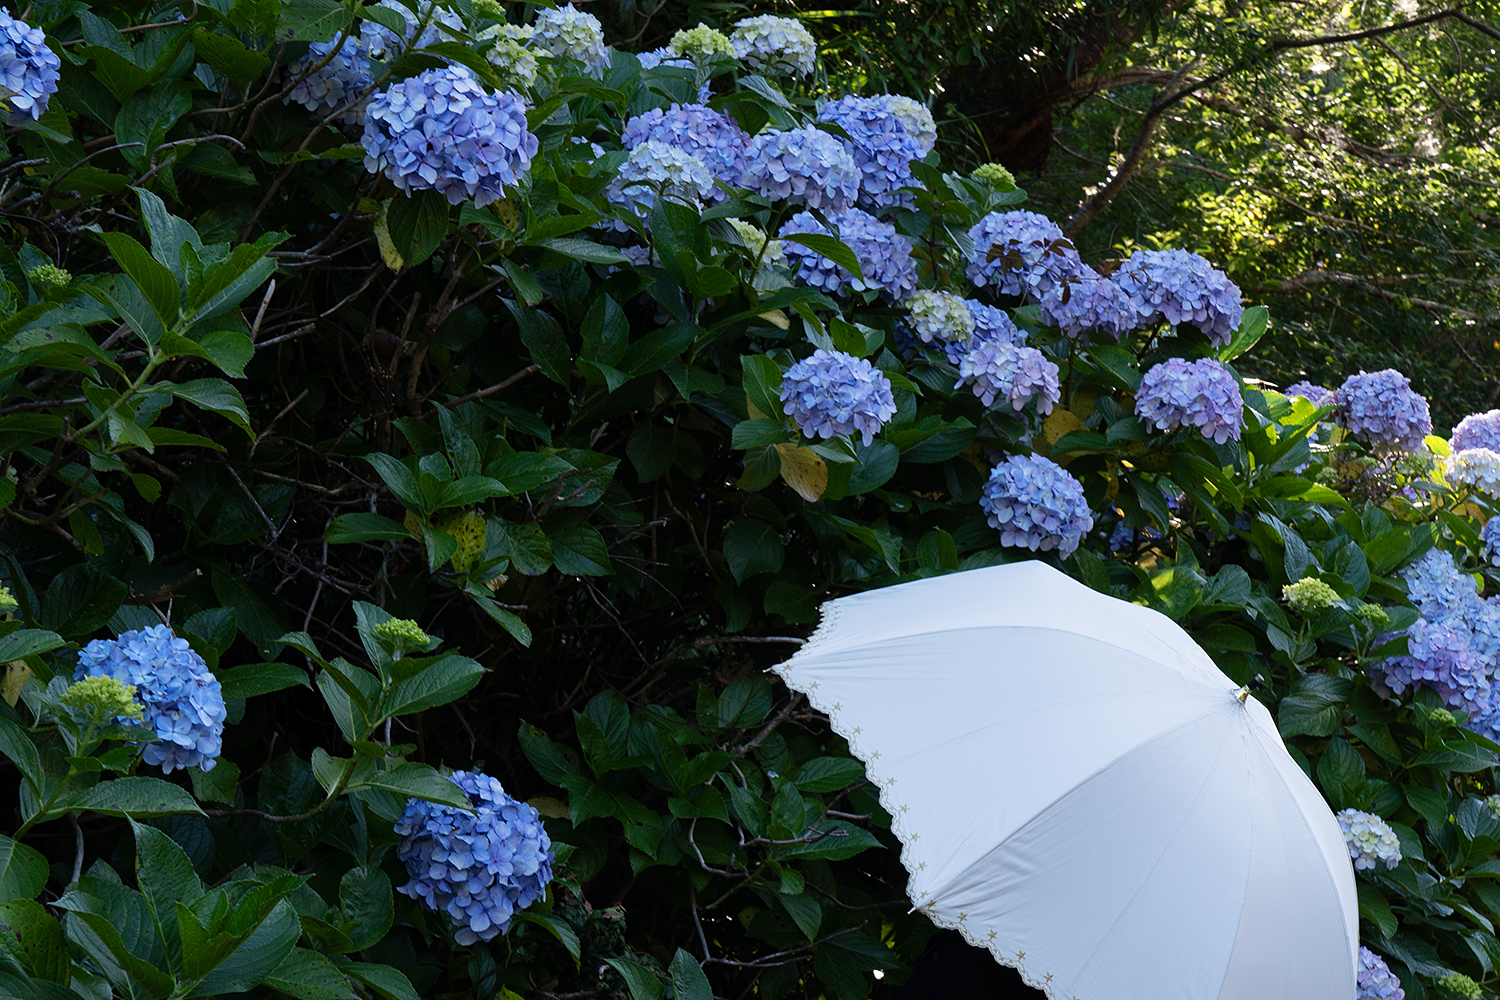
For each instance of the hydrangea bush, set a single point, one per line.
(401, 395)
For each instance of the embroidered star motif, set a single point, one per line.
(992, 935)
(962, 916)
(857, 730)
(903, 809)
(920, 866)
(875, 754)
(1020, 955)
(838, 705)
(1049, 977)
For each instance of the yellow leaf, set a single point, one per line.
(549, 807)
(1083, 403)
(412, 524)
(776, 318)
(393, 260)
(1059, 423)
(17, 673)
(804, 471)
(1113, 489)
(507, 212)
(754, 411)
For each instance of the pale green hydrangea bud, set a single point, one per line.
(755, 242)
(1458, 987)
(490, 9)
(7, 600)
(1441, 718)
(514, 63)
(701, 43)
(1373, 615)
(103, 697)
(49, 275)
(1310, 596)
(994, 175)
(401, 634)
(1493, 803)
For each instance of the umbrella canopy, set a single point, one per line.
(1077, 788)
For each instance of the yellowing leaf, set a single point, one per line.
(17, 673)
(393, 260)
(1113, 489)
(1083, 403)
(549, 807)
(804, 471)
(1059, 423)
(755, 411)
(776, 318)
(508, 213)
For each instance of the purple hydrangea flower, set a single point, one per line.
(442, 131)
(881, 147)
(1182, 287)
(1202, 394)
(915, 117)
(1477, 468)
(1490, 536)
(379, 42)
(1438, 588)
(1477, 430)
(569, 33)
(770, 44)
(833, 393)
(337, 84)
(1011, 372)
(883, 256)
(1369, 839)
(480, 868)
(1036, 505)
(1021, 253)
(710, 136)
(991, 326)
(664, 57)
(805, 166)
(1380, 409)
(29, 70)
(1442, 658)
(1375, 980)
(1084, 300)
(181, 700)
(1317, 395)
(654, 171)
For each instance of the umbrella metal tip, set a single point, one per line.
(1255, 684)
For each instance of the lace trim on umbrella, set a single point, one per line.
(885, 787)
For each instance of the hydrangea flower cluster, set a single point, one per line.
(805, 166)
(1015, 373)
(941, 317)
(336, 84)
(380, 42)
(1375, 980)
(709, 135)
(770, 44)
(1489, 535)
(884, 257)
(1478, 468)
(1035, 504)
(1381, 409)
(513, 62)
(1369, 838)
(442, 131)
(769, 252)
(654, 171)
(103, 697)
(1317, 395)
(994, 175)
(569, 33)
(915, 117)
(1437, 587)
(181, 700)
(833, 393)
(1310, 596)
(1182, 287)
(701, 43)
(29, 70)
(1021, 253)
(1202, 394)
(480, 868)
(1457, 986)
(881, 148)
(1086, 300)
(994, 325)
(1477, 430)
(1442, 658)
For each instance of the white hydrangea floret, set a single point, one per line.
(513, 61)
(915, 117)
(940, 316)
(770, 44)
(755, 241)
(569, 33)
(1369, 839)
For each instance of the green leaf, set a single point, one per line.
(28, 642)
(759, 432)
(752, 546)
(641, 981)
(805, 913)
(1118, 362)
(130, 797)
(688, 980)
(577, 547)
(307, 975)
(1314, 707)
(834, 249)
(585, 250)
(23, 870)
(1374, 908)
(418, 224)
(544, 339)
(558, 928)
(30, 936)
(265, 949)
(164, 873)
(154, 280)
(80, 600)
(384, 981)
(828, 774)
(254, 679)
(367, 904)
(842, 841)
(1253, 326)
(211, 394)
(313, 20)
(438, 682)
(421, 782)
(119, 963)
(229, 56)
(762, 384)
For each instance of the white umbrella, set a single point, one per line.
(1078, 788)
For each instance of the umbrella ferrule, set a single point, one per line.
(1255, 684)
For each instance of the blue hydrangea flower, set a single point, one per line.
(1380, 409)
(805, 166)
(940, 316)
(881, 148)
(914, 117)
(569, 33)
(994, 325)
(442, 131)
(338, 84)
(1375, 980)
(884, 256)
(380, 42)
(770, 44)
(1317, 395)
(1477, 430)
(710, 136)
(1442, 658)
(1202, 394)
(656, 170)
(833, 393)
(1084, 300)
(1011, 372)
(1490, 536)
(480, 868)
(1020, 253)
(663, 57)
(180, 698)
(1182, 287)
(1437, 587)
(1477, 468)
(1035, 504)
(1369, 839)
(29, 70)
